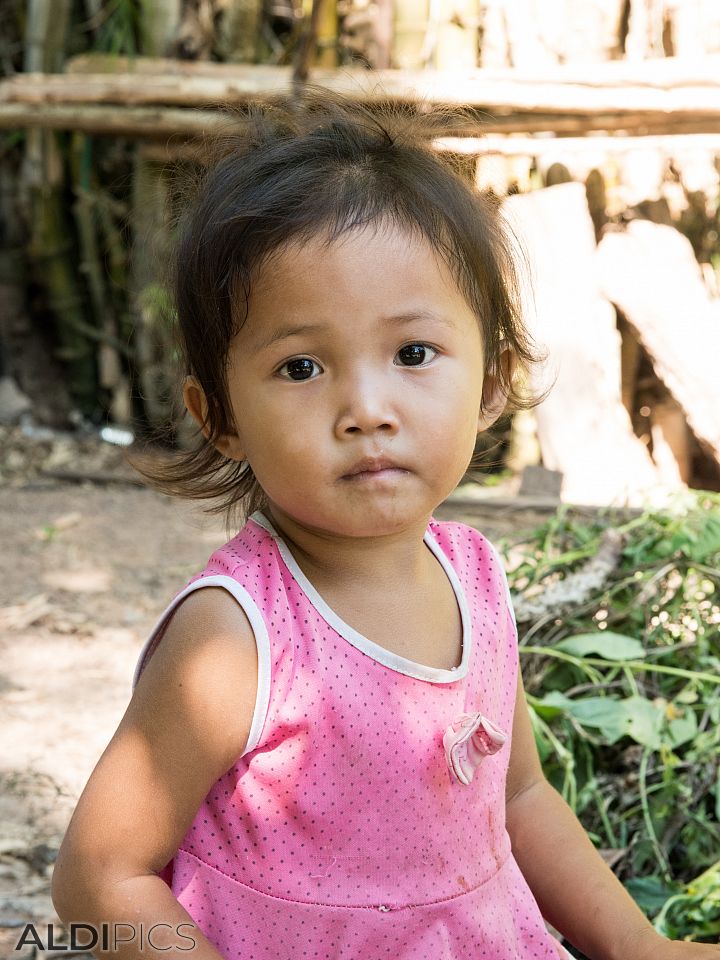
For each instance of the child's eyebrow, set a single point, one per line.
(292, 330)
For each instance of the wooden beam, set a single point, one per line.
(150, 122)
(473, 88)
(584, 429)
(511, 145)
(650, 272)
(667, 73)
(186, 102)
(159, 121)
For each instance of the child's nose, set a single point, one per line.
(366, 405)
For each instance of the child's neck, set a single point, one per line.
(377, 563)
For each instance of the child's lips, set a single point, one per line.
(374, 467)
(374, 476)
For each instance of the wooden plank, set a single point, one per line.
(159, 121)
(663, 73)
(150, 122)
(651, 273)
(583, 427)
(671, 440)
(498, 95)
(153, 96)
(514, 145)
(591, 149)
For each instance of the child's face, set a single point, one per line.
(350, 384)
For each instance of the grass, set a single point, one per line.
(623, 684)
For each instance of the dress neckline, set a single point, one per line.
(411, 668)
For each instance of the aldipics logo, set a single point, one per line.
(109, 936)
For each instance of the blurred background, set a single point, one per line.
(600, 121)
(597, 123)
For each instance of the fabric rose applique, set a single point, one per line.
(468, 739)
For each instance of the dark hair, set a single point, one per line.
(322, 164)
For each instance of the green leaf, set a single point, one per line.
(696, 911)
(707, 542)
(644, 721)
(605, 713)
(634, 717)
(650, 893)
(553, 704)
(610, 646)
(688, 695)
(682, 729)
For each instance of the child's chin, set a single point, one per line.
(368, 513)
(376, 521)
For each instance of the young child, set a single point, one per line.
(328, 753)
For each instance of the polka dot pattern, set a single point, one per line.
(342, 832)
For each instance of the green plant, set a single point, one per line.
(694, 909)
(624, 693)
(118, 28)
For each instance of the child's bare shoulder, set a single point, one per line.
(186, 725)
(204, 670)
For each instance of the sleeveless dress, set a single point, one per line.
(365, 818)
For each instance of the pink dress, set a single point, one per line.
(366, 817)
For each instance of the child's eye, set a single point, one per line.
(298, 365)
(414, 353)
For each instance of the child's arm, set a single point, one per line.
(575, 889)
(186, 725)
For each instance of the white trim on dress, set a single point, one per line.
(411, 668)
(262, 699)
(501, 565)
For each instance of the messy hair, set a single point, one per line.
(291, 168)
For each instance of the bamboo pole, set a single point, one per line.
(239, 31)
(521, 146)
(111, 375)
(23, 347)
(45, 34)
(327, 37)
(161, 122)
(150, 250)
(305, 53)
(117, 260)
(148, 104)
(42, 182)
(159, 21)
(666, 73)
(152, 344)
(468, 87)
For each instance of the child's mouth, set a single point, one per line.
(387, 473)
(373, 466)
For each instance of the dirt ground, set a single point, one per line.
(85, 571)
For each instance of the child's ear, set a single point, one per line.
(494, 393)
(194, 398)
